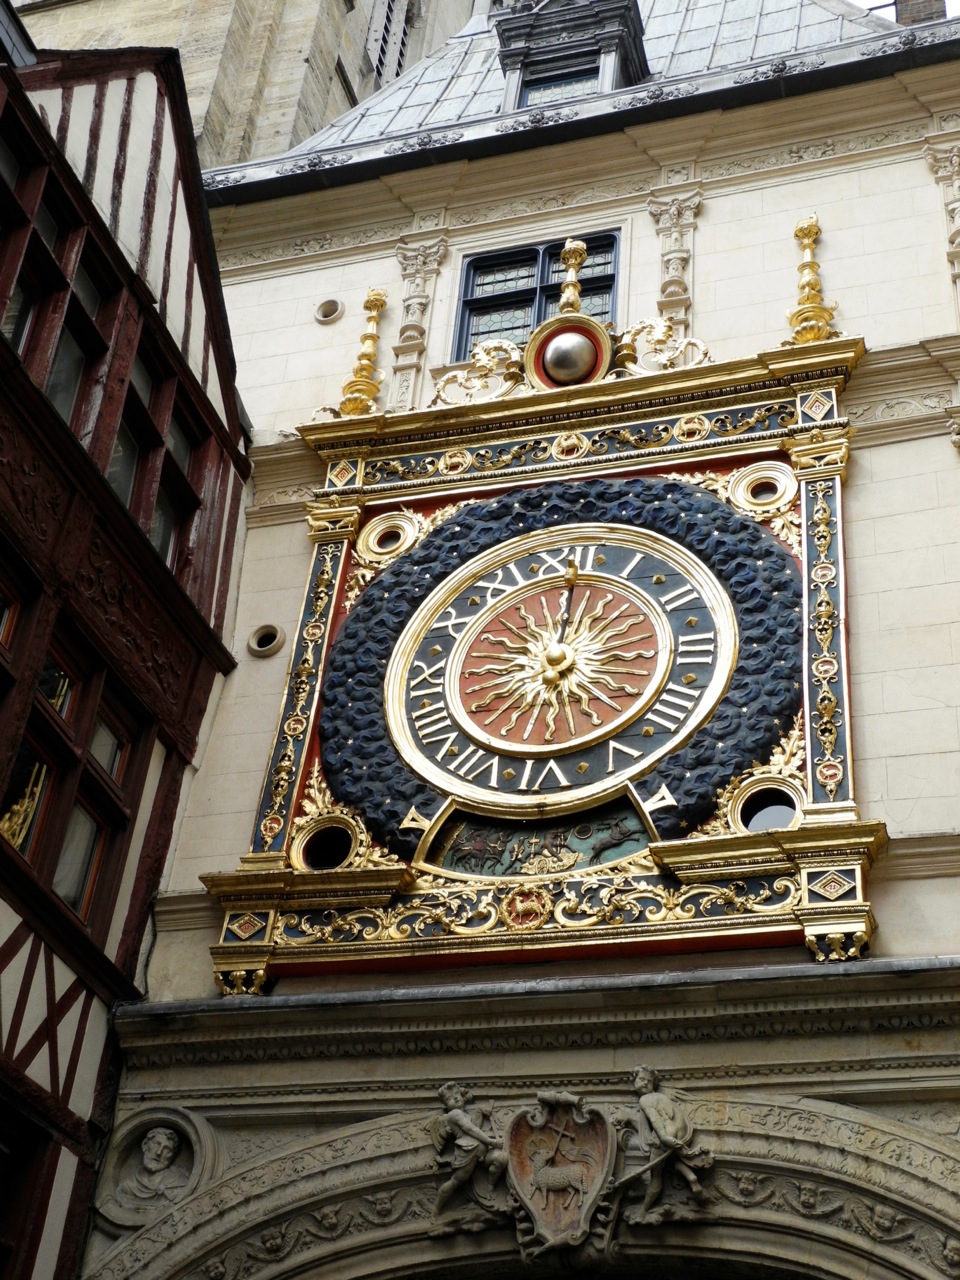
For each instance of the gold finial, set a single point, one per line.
(813, 319)
(573, 256)
(360, 391)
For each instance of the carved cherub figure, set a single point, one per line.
(810, 1200)
(664, 1126)
(744, 1186)
(943, 1252)
(473, 1145)
(879, 1221)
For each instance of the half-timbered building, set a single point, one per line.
(122, 463)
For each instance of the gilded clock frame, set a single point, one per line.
(805, 884)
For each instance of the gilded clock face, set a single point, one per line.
(559, 666)
(555, 650)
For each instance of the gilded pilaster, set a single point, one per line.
(332, 527)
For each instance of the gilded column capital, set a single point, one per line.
(333, 521)
(820, 453)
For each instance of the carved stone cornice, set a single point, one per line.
(628, 1011)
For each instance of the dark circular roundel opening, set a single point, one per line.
(266, 637)
(389, 539)
(764, 491)
(770, 809)
(328, 848)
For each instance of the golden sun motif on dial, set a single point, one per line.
(555, 669)
(558, 665)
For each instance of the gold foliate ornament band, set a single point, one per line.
(361, 390)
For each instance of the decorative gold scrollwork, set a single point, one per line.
(302, 683)
(496, 370)
(319, 811)
(825, 666)
(663, 349)
(786, 769)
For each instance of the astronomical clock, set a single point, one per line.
(571, 672)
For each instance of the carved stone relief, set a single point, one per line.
(675, 220)
(578, 1180)
(945, 162)
(420, 265)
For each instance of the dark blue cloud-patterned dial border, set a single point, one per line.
(360, 761)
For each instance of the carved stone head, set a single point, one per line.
(451, 1095)
(884, 1218)
(646, 1080)
(808, 1196)
(159, 1148)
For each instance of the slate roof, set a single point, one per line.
(453, 98)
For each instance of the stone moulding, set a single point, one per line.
(864, 1191)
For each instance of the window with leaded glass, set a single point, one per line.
(70, 796)
(547, 93)
(507, 294)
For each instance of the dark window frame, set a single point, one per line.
(75, 778)
(542, 294)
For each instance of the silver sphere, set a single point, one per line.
(569, 357)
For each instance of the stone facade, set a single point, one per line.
(262, 75)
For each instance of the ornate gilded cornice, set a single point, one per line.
(829, 362)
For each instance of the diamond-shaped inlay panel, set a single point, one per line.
(832, 885)
(340, 473)
(817, 405)
(246, 926)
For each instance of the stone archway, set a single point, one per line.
(794, 1187)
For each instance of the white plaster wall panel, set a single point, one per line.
(57, 1208)
(166, 167)
(177, 266)
(34, 1009)
(198, 326)
(11, 975)
(143, 114)
(8, 921)
(104, 177)
(81, 124)
(220, 814)
(49, 103)
(91, 1056)
(135, 850)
